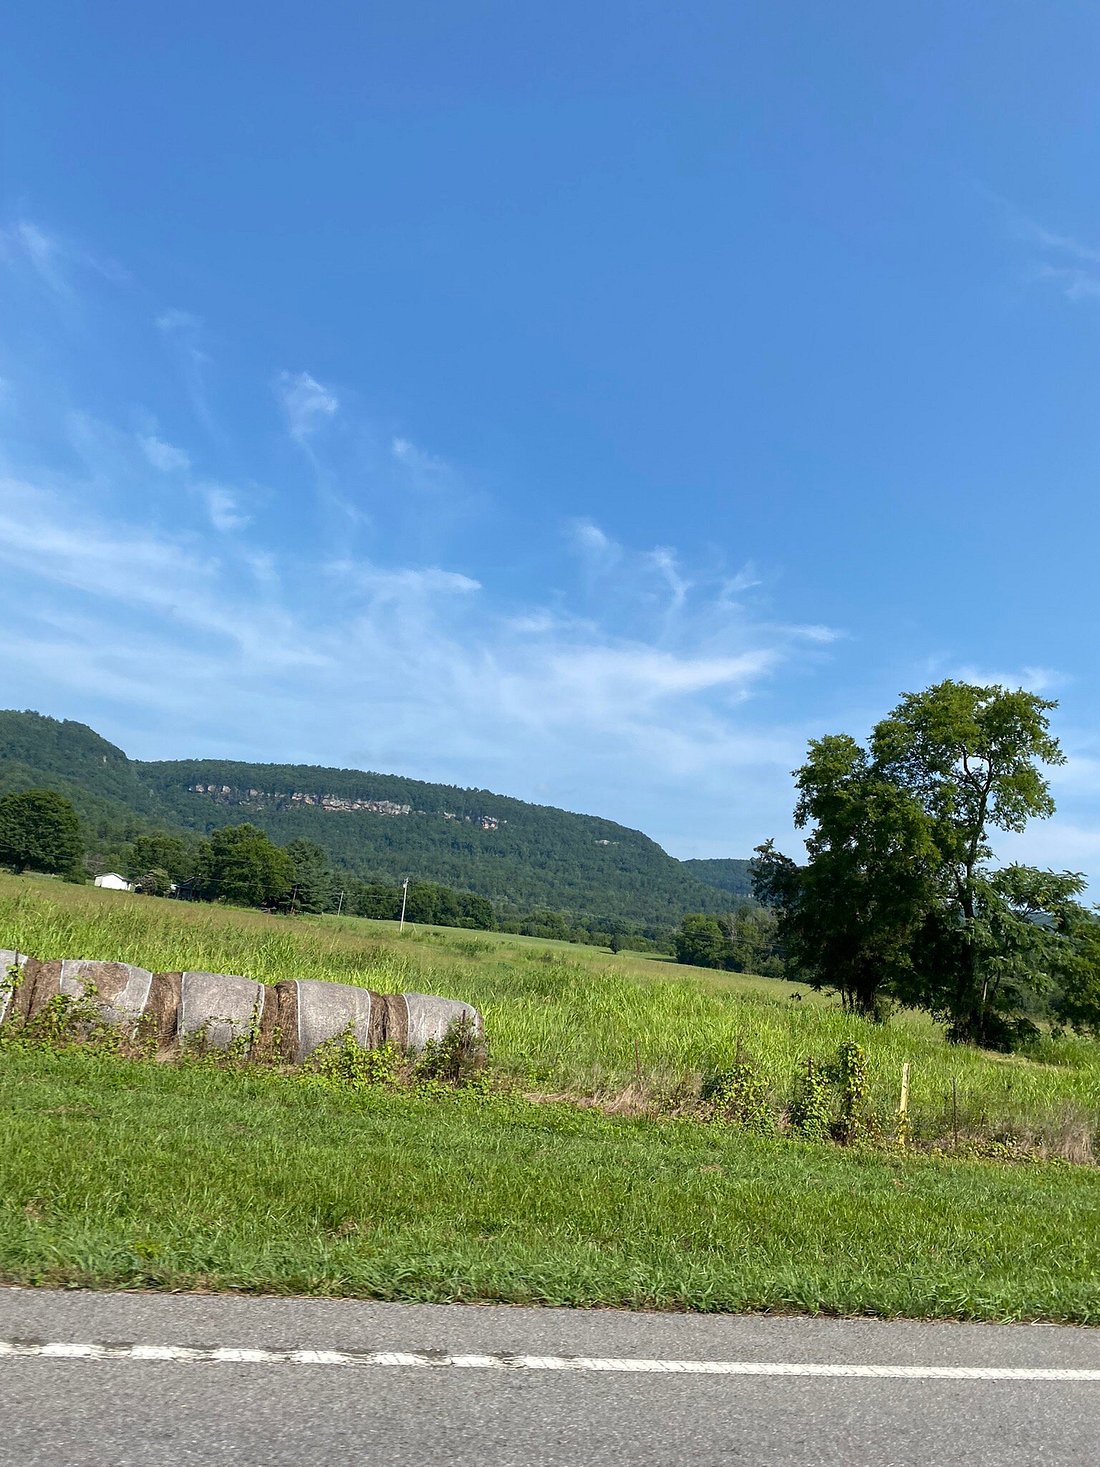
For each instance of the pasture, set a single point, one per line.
(626, 1030)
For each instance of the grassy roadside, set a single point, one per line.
(118, 1173)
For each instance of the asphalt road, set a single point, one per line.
(489, 1395)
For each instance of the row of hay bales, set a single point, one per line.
(286, 1021)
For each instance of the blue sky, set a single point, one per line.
(590, 403)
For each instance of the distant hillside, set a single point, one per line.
(520, 856)
(729, 874)
(103, 784)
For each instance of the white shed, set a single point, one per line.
(113, 881)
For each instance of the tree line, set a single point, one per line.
(237, 864)
(240, 865)
(743, 941)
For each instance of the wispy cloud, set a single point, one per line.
(306, 404)
(593, 543)
(395, 585)
(223, 508)
(42, 251)
(665, 563)
(621, 675)
(163, 456)
(183, 330)
(174, 321)
(1061, 260)
(1075, 282)
(54, 261)
(418, 460)
(1039, 680)
(1062, 244)
(47, 535)
(746, 579)
(438, 493)
(704, 609)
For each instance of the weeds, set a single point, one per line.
(343, 1064)
(850, 1076)
(458, 1059)
(739, 1097)
(810, 1112)
(65, 1023)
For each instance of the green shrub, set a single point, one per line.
(458, 1059)
(738, 1096)
(810, 1111)
(344, 1063)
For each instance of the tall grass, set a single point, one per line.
(581, 1022)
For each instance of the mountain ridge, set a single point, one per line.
(373, 825)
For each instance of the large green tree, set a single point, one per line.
(848, 918)
(899, 896)
(313, 881)
(40, 831)
(699, 941)
(745, 941)
(1076, 997)
(161, 850)
(973, 757)
(238, 864)
(1027, 942)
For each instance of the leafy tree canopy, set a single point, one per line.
(238, 864)
(898, 897)
(745, 941)
(40, 831)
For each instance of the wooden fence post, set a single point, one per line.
(903, 1106)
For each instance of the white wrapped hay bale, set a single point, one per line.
(220, 1007)
(9, 959)
(326, 1010)
(429, 1018)
(118, 991)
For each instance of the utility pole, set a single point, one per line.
(340, 904)
(404, 899)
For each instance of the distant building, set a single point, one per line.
(112, 881)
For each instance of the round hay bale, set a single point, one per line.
(220, 1007)
(120, 991)
(8, 959)
(429, 1018)
(326, 1010)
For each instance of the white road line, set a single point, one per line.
(230, 1355)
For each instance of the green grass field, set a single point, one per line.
(582, 1022)
(126, 1173)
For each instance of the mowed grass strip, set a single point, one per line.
(118, 1173)
(579, 1021)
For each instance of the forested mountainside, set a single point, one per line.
(728, 873)
(521, 856)
(47, 753)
